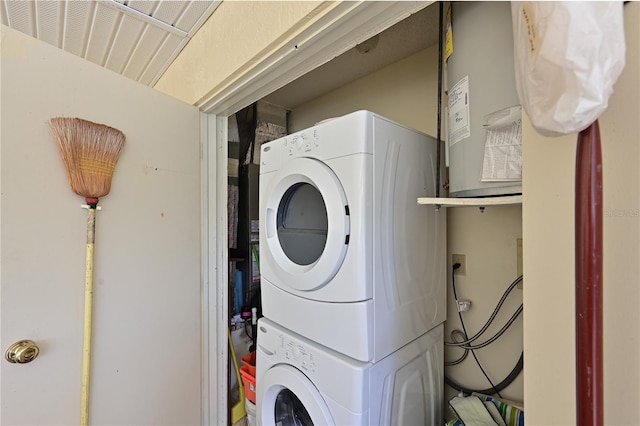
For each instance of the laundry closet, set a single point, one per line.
(404, 90)
(166, 283)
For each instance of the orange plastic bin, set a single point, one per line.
(248, 373)
(249, 360)
(249, 381)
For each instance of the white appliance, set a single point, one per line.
(348, 257)
(483, 57)
(302, 383)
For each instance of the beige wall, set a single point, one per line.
(548, 213)
(407, 92)
(235, 38)
(488, 241)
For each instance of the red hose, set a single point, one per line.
(588, 235)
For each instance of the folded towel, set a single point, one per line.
(472, 411)
(512, 414)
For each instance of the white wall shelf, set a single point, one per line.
(472, 202)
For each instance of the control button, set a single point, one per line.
(297, 140)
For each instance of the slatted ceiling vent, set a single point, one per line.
(136, 38)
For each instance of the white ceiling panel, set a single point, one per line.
(136, 38)
(126, 38)
(145, 6)
(192, 17)
(150, 42)
(170, 12)
(103, 30)
(76, 26)
(48, 15)
(161, 60)
(19, 15)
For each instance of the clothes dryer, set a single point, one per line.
(302, 383)
(348, 257)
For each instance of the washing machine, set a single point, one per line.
(348, 258)
(302, 383)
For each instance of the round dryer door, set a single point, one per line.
(307, 224)
(290, 399)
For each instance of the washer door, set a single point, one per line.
(290, 399)
(307, 224)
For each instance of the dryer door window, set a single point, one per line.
(287, 397)
(306, 219)
(302, 224)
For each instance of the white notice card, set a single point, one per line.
(459, 128)
(503, 145)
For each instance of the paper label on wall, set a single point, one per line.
(503, 146)
(448, 44)
(459, 127)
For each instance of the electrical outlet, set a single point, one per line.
(519, 260)
(462, 260)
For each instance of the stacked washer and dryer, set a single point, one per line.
(352, 277)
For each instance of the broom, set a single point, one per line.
(89, 152)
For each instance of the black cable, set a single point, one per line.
(466, 345)
(455, 333)
(464, 329)
(517, 369)
(491, 318)
(247, 323)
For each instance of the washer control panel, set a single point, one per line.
(277, 346)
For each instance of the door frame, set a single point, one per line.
(215, 269)
(311, 44)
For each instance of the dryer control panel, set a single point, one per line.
(351, 134)
(301, 142)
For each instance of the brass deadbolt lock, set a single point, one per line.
(22, 352)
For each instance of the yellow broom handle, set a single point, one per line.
(88, 314)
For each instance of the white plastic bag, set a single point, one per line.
(568, 55)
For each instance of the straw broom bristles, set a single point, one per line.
(89, 152)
